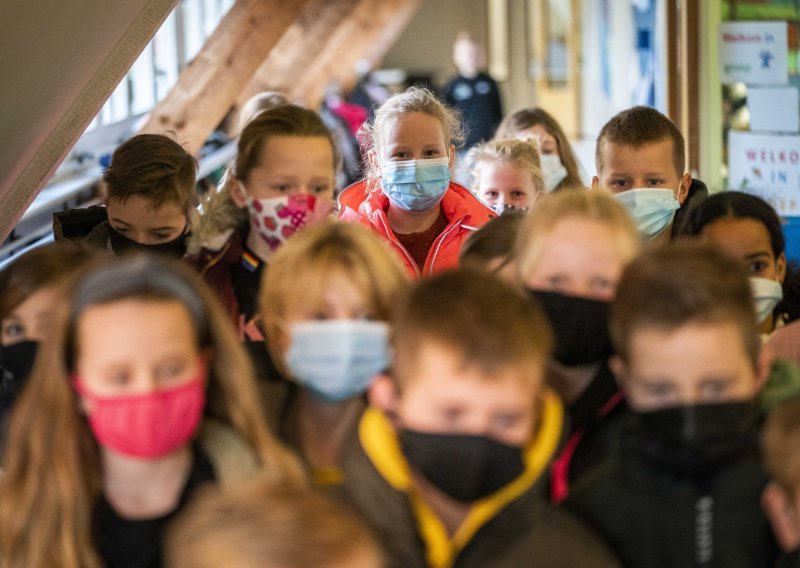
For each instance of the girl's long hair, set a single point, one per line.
(53, 470)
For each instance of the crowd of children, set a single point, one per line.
(522, 372)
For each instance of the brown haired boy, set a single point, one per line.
(150, 193)
(639, 155)
(684, 489)
(448, 466)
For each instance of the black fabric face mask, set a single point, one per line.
(121, 244)
(696, 438)
(16, 363)
(580, 326)
(466, 468)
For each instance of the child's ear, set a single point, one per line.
(619, 369)
(780, 267)
(383, 395)
(683, 187)
(238, 193)
(452, 154)
(595, 182)
(782, 516)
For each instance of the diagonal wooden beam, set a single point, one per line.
(296, 51)
(369, 32)
(62, 60)
(208, 87)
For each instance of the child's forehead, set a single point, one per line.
(413, 127)
(652, 156)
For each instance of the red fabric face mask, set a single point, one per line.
(147, 426)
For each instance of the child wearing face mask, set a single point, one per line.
(749, 228)
(123, 419)
(282, 180)
(570, 252)
(328, 336)
(506, 174)
(446, 465)
(559, 165)
(407, 197)
(29, 291)
(685, 487)
(260, 525)
(640, 157)
(150, 198)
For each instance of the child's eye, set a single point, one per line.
(658, 389)
(714, 389)
(281, 187)
(518, 194)
(320, 189)
(119, 378)
(432, 152)
(618, 183)
(169, 370)
(757, 267)
(491, 194)
(400, 155)
(161, 235)
(13, 329)
(119, 229)
(655, 182)
(506, 421)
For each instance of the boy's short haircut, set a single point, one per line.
(780, 445)
(685, 283)
(637, 127)
(155, 167)
(494, 241)
(485, 321)
(257, 524)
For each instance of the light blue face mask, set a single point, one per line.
(766, 294)
(337, 359)
(652, 209)
(416, 185)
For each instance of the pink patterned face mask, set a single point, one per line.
(150, 425)
(278, 218)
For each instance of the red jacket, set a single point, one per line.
(463, 210)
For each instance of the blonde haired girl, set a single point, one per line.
(140, 395)
(570, 253)
(407, 196)
(328, 336)
(506, 174)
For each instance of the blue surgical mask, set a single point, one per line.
(337, 359)
(652, 209)
(553, 171)
(416, 185)
(766, 294)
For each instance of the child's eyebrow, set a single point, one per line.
(757, 254)
(120, 221)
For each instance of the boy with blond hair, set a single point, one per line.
(685, 486)
(449, 463)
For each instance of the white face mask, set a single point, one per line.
(766, 294)
(652, 209)
(337, 359)
(553, 171)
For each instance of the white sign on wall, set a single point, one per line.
(767, 166)
(755, 53)
(774, 109)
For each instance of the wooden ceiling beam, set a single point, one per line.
(368, 33)
(211, 83)
(296, 51)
